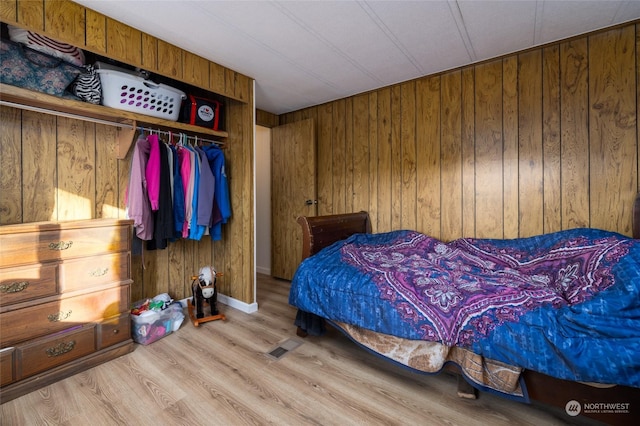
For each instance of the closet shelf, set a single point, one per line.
(125, 121)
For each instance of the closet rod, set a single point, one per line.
(65, 114)
(194, 138)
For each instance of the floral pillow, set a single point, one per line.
(23, 67)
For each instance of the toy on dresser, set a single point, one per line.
(203, 290)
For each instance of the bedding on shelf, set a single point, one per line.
(566, 304)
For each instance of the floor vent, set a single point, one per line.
(283, 348)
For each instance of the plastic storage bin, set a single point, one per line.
(152, 325)
(122, 90)
(201, 112)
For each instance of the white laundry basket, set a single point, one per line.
(129, 92)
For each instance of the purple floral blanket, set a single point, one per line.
(546, 303)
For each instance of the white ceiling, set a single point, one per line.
(303, 53)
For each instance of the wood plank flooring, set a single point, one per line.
(219, 374)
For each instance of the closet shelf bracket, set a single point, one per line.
(124, 137)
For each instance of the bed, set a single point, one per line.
(553, 319)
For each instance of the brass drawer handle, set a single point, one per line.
(61, 349)
(59, 316)
(99, 272)
(61, 245)
(14, 287)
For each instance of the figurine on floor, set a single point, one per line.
(204, 289)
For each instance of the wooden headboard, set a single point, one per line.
(321, 231)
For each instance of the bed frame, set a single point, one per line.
(322, 231)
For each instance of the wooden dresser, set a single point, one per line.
(64, 300)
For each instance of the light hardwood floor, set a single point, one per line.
(219, 374)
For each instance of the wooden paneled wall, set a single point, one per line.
(55, 168)
(266, 119)
(530, 143)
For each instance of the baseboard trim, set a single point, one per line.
(263, 270)
(247, 308)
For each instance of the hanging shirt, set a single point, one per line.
(170, 161)
(178, 195)
(184, 155)
(206, 190)
(137, 195)
(152, 171)
(222, 203)
(195, 231)
(163, 216)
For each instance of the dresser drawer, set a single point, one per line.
(43, 354)
(27, 323)
(79, 274)
(26, 283)
(54, 244)
(6, 366)
(114, 331)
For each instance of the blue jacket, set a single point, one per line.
(178, 195)
(222, 203)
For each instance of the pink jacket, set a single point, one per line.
(152, 171)
(184, 160)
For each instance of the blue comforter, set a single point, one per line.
(566, 304)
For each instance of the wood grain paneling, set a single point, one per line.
(9, 11)
(76, 166)
(291, 144)
(10, 175)
(149, 52)
(39, 172)
(372, 117)
(195, 69)
(428, 154)
(574, 127)
(510, 158)
(532, 142)
(396, 157)
(488, 150)
(169, 60)
(106, 188)
(243, 88)
(339, 151)
(124, 43)
(384, 161)
(408, 157)
(530, 167)
(95, 32)
(324, 168)
(612, 127)
(361, 154)
(238, 239)
(229, 83)
(551, 138)
(266, 119)
(468, 157)
(451, 155)
(65, 21)
(31, 14)
(216, 78)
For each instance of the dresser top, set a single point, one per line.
(69, 224)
